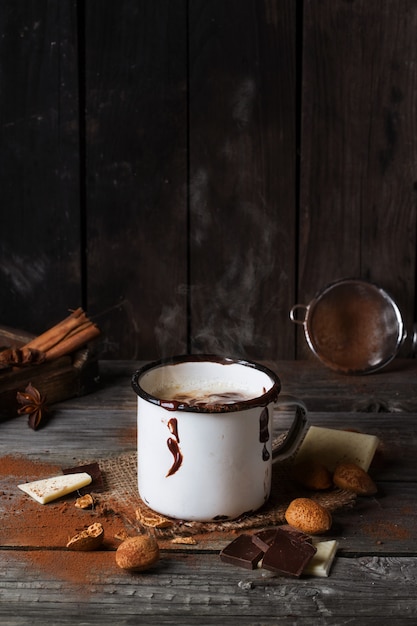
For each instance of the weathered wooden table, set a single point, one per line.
(373, 578)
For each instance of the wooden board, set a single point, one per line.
(386, 393)
(188, 171)
(40, 246)
(242, 177)
(359, 591)
(372, 579)
(358, 116)
(58, 380)
(68, 376)
(136, 116)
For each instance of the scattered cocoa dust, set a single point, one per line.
(380, 530)
(46, 529)
(80, 569)
(26, 468)
(25, 522)
(128, 436)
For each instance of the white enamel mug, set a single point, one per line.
(205, 435)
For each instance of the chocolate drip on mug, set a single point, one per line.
(264, 433)
(172, 443)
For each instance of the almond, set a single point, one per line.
(137, 554)
(313, 475)
(87, 540)
(352, 477)
(308, 516)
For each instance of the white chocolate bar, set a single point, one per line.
(48, 489)
(331, 446)
(322, 561)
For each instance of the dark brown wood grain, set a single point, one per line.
(136, 174)
(188, 171)
(40, 269)
(242, 176)
(357, 174)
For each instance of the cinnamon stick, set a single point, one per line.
(79, 328)
(73, 341)
(15, 357)
(57, 333)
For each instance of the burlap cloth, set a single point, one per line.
(121, 493)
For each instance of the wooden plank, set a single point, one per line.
(56, 381)
(135, 80)
(73, 433)
(391, 390)
(373, 576)
(40, 276)
(190, 588)
(385, 523)
(358, 148)
(242, 176)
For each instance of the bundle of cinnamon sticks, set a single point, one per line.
(72, 333)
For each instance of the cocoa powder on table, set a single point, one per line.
(39, 533)
(79, 569)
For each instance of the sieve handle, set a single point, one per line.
(293, 313)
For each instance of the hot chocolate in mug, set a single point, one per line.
(205, 435)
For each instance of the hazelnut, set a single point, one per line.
(87, 540)
(352, 477)
(137, 554)
(308, 516)
(313, 475)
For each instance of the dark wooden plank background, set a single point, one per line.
(187, 171)
(358, 184)
(136, 173)
(40, 271)
(242, 175)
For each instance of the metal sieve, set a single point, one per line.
(352, 326)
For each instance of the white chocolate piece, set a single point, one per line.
(322, 561)
(48, 489)
(331, 446)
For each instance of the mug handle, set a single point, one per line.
(294, 435)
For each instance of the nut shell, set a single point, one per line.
(84, 502)
(308, 516)
(137, 554)
(352, 477)
(87, 540)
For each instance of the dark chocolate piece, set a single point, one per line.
(243, 552)
(294, 533)
(94, 470)
(288, 555)
(264, 538)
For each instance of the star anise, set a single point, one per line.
(33, 405)
(20, 357)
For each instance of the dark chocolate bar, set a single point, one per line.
(287, 555)
(243, 552)
(284, 550)
(294, 533)
(264, 538)
(91, 468)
